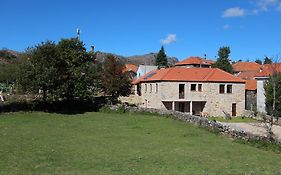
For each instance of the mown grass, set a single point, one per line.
(233, 119)
(128, 143)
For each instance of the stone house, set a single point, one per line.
(247, 71)
(132, 69)
(192, 90)
(262, 77)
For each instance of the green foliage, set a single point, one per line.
(161, 58)
(60, 71)
(223, 60)
(113, 80)
(267, 60)
(100, 143)
(258, 61)
(274, 79)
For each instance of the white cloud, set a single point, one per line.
(226, 26)
(234, 12)
(266, 5)
(170, 38)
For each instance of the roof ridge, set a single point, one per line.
(209, 74)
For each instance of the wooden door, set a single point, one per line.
(233, 109)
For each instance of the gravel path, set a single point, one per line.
(255, 128)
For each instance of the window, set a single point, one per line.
(193, 87)
(222, 88)
(156, 88)
(229, 88)
(145, 87)
(150, 87)
(199, 87)
(181, 91)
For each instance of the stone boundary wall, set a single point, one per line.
(203, 122)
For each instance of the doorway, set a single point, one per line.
(233, 109)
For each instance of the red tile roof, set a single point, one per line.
(251, 85)
(247, 75)
(131, 67)
(246, 66)
(269, 69)
(196, 61)
(190, 74)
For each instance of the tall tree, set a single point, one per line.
(114, 81)
(272, 93)
(74, 67)
(161, 58)
(223, 61)
(267, 60)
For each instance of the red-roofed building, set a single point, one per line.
(247, 71)
(195, 62)
(246, 67)
(132, 69)
(262, 77)
(192, 90)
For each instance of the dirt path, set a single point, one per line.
(255, 128)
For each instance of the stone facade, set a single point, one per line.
(260, 94)
(195, 97)
(251, 100)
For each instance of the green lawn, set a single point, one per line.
(100, 143)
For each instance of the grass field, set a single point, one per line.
(100, 143)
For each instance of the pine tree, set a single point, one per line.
(267, 60)
(161, 58)
(223, 61)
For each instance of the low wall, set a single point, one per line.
(203, 122)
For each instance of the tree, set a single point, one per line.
(267, 60)
(113, 80)
(39, 71)
(258, 61)
(272, 92)
(61, 71)
(223, 61)
(74, 66)
(161, 58)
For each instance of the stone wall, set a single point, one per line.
(251, 100)
(155, 93)
(203, 122)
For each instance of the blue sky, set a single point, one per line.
(251, 28)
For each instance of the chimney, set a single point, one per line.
(92, 48)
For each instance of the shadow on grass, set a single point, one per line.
(61, 107)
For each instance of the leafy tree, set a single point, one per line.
(267, 60)
(273, 103)
(258, 61)
(161, 58)
(223, 61)
(39, 72)
(61, 71)
(74, 66)
(113, 80)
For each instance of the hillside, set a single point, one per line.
(148, 59)
(8, 56)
